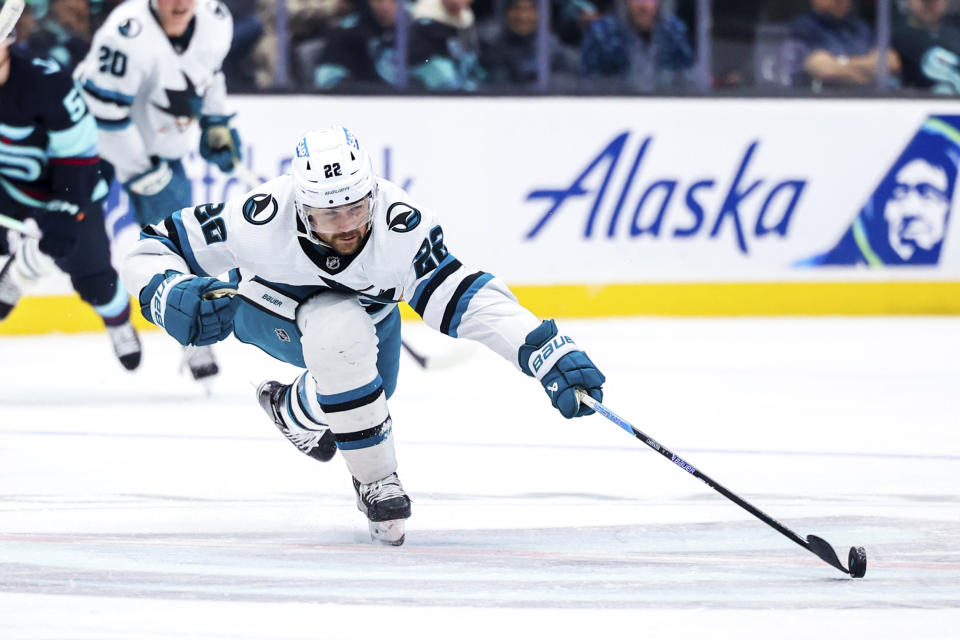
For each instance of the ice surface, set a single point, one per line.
(135, 506)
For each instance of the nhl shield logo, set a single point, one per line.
(283, 335)
(333, 263)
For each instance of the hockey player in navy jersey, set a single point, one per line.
(325, 254)
(152, 75)
(51, 188)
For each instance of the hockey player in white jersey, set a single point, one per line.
(152, 74)
(325, 254)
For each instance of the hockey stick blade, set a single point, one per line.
(818, 546)
(822, 548)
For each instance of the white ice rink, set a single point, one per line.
(135, 507)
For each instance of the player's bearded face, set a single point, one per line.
(343, 227)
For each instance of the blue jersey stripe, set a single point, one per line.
(459, 307)
(353, 394)
(106, 95)
(422, 295)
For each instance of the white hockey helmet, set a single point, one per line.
(330, 171)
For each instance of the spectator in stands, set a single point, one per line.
(830, 45)
(63, 33)
(929, 48)
(509, 50)
(308, 24)
(649, 50)
(248, 28)
(362, 50)
(444, 46)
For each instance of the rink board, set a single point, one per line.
(597, 207)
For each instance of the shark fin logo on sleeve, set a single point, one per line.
(905, 220)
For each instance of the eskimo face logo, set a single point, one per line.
(260, 208)
(130, 28)
(401, 217)
(916, 212)
(905, 220)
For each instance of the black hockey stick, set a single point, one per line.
(420, 358)
(857, 559)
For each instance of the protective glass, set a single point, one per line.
(342, 219)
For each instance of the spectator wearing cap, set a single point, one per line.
(647, 50)
(509, 49)
(929, 48)
(830, 45)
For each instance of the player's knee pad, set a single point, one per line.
(339, 342)
(340, 349)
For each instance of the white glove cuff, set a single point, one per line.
(158, 305)
(544, 358)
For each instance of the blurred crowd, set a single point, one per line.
(591, 46)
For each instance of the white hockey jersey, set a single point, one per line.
(404, 257)
(147, 95)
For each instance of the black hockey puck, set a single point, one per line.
(858, 562)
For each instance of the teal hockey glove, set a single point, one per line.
(561, 368)
(178, 304)
(219, 142)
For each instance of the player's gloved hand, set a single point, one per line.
(561, 368)
(59, 229)
(219, 142)
(178, 303)
(157, 192)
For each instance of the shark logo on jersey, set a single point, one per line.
(260, 208)
(130, 28)
(185, 103)
(905, 220)
(402, 218)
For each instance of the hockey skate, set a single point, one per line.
(386, 506)
(126, 344)
(319, 444)
(200, 362)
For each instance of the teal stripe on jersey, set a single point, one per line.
(15, 133)
(79, 141)
(464, 302)
(106, 95)
(22, 198)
